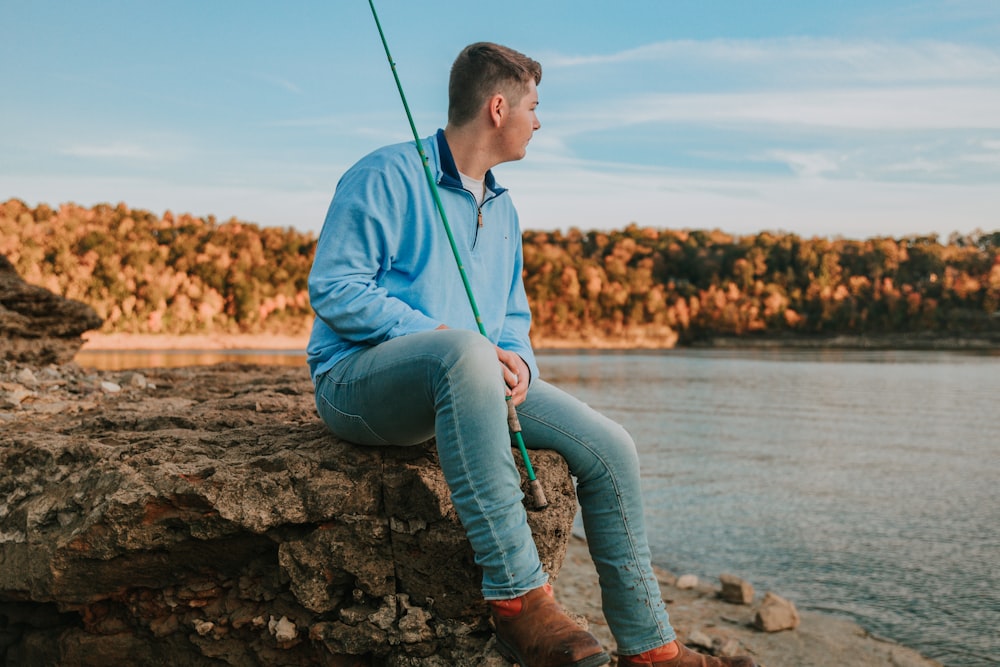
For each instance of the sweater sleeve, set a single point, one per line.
(354, 249)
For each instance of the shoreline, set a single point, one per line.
(703, 619)
(127, 342)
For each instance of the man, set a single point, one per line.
(396, 358)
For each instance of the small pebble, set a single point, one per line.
(27, 392)
(283, 630)
(26, 377)
(203, 627)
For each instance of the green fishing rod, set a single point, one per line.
(538, 494)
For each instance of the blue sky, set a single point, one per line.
(844, 118)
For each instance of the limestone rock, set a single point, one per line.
(37, 326)
(179, 520)
(776, 614)
(727, 648)
(698, 639)
(735, 589)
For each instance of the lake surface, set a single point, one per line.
(864, 484)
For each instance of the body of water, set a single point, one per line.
(858, 483)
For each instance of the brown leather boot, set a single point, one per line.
(685, 658)
(533, 631)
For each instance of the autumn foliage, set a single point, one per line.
(181, 274)
(640, 283)
(171, 274)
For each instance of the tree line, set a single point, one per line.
(182, 274)
(174, 274)
(696, 285)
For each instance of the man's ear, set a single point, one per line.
(498, 109)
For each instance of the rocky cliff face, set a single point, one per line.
(37, 326)
(204, 516)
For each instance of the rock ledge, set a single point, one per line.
(205, 516)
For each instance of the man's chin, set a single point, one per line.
(515, 158)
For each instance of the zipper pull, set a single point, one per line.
(480, 216)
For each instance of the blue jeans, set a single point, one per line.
(448, 384)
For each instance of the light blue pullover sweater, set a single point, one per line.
(384, 268)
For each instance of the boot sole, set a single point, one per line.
(595, 660)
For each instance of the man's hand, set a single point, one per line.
(515, 374)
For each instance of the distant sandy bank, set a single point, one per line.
(207, 342)
(95, 342)
(120, 341)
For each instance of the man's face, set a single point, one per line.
(519, 124)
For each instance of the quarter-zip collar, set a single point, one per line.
(449, 171)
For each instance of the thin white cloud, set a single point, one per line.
(918, 165)
(375, 128)
(889, 109)
(807, 164)
(113, 150)
(988, 159)
(280, 82)
(819, 60)
(333, 120)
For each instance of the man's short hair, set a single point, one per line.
(482, 70)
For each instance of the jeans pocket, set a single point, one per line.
(346, 426)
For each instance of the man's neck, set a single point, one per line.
(471, 151)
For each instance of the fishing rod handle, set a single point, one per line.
(538, 495)
(512, 421)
